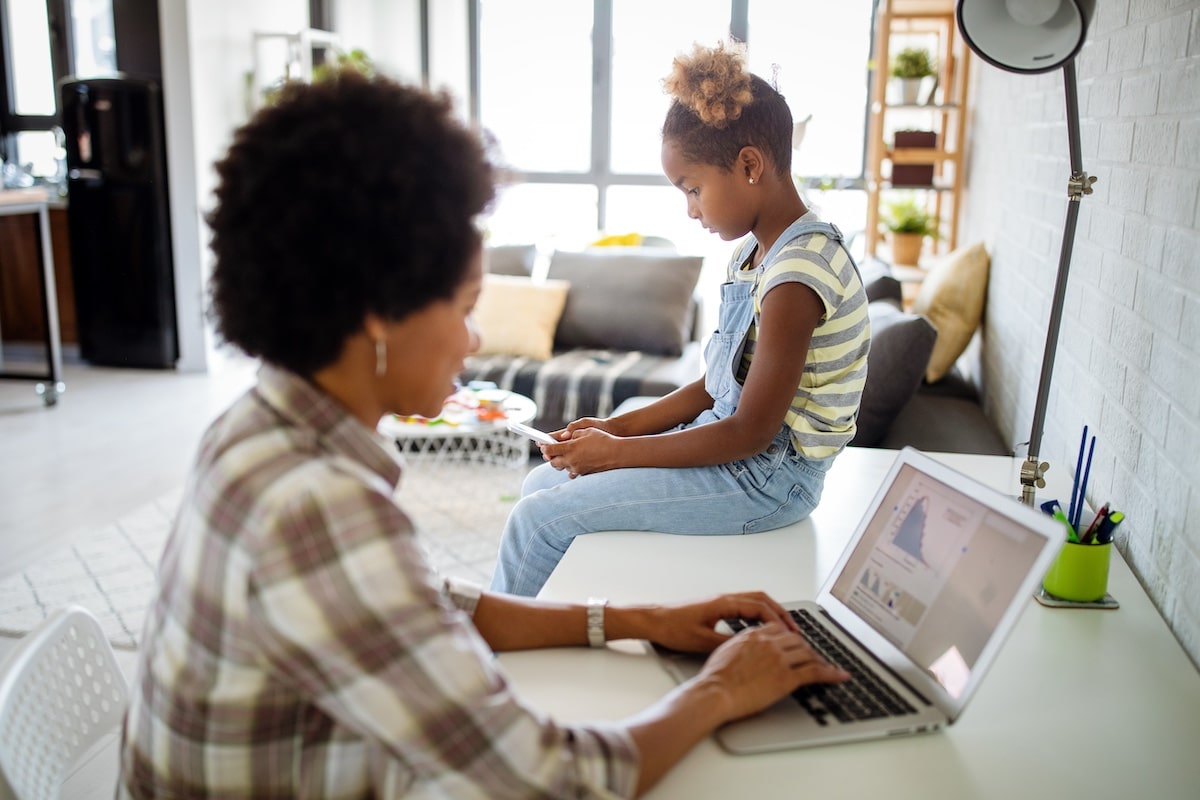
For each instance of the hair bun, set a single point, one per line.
(713, 82)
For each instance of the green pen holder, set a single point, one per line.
(1080, 573)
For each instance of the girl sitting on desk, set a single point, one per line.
(745, 448)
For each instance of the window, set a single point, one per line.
(41, 42)
(32, 84)
(534, 93)
(571, 90)
(93, 41)
(641, 57)
(822, 50)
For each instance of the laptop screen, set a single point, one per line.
(934, 573)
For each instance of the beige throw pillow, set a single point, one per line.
(952, 298)
(517, 316)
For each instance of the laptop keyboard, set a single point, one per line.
(862, 697)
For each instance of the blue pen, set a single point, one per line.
(1078, 469)
(1087, 468)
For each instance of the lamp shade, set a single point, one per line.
(1025, 35)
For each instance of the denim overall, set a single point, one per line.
(769, 490)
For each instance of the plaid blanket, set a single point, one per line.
(583, 383)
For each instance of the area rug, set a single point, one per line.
(458, 508)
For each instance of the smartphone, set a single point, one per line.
(540, 437)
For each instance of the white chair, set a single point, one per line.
(62, 694)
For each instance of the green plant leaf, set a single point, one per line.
(906, 215)
(913, 62)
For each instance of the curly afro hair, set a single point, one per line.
(719, 107)
(349, 196)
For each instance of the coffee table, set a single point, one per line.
(473, 426)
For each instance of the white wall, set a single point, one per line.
(206, 51)
(1129, 351)
(194, 339)
(388, 30)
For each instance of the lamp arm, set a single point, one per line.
(1079, 184)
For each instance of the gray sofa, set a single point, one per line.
(631, 326)
(619, 340)
(900, 408)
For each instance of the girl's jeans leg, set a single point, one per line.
(727, 499)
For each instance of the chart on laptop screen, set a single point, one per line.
(925, 531)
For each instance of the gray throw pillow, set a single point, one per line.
(900, 348)
(510, 259)
(885, 287)
(624, 301)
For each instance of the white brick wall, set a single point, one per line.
(1128, 360)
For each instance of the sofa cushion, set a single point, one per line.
(878, 280)
(900, 348)
(624, 301)
(885, 287)
(944, 424)
(510, 259)
(952, 297)
(518, 316)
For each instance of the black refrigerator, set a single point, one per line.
(119, 221)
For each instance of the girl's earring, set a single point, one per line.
(380, 358)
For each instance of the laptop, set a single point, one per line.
(930, 585)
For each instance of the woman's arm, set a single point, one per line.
(507, 622)
(790, 314)
(744, 674)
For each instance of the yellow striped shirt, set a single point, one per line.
(824, 409)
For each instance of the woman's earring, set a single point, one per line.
(752, 181)
(380, 358)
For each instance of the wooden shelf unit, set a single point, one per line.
(931, 24)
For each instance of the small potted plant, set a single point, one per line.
(908, 223)
(910, 69)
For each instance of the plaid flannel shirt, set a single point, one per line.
(300, 646)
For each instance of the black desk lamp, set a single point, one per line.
(1034, 36)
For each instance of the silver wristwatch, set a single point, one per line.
(595, 621)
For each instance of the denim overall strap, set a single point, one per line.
(800, 228)
(724, 348)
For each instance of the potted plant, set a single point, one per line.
(910, 68)
(908, 223)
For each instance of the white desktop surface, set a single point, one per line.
(1080, 703)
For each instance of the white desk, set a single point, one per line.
(1080, 704)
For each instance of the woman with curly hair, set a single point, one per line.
(745, 448)
(299, 645)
